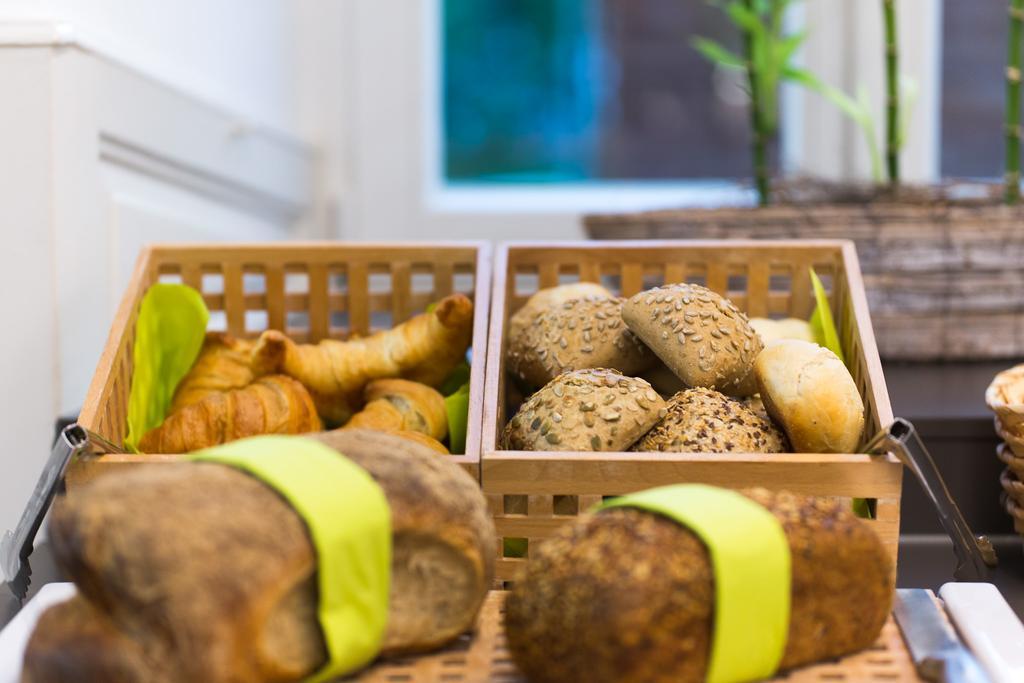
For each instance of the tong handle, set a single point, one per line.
(974, 553)
(74, 440)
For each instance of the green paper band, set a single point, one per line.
(169, 333)
(751, 564)
(349, 522)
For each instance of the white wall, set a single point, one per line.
(239, 54)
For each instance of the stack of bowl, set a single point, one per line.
(1005, 397)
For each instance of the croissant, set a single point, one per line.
(400, 405)
(425, 349)
(224, 363)
(420, 438)
(274, 404)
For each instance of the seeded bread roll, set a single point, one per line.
(808, 390)
(585, 410)
(550, 298)
(664, 381)
(704, 421)
(576, 335)
(627, 596)
(701, 336)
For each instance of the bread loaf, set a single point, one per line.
(705, 421)
(551, 297)
(627, 596)
(810, 393)
(585, 410)
(200, 572)
(701, 336)
(577, 334)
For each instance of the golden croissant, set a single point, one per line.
(274, 404)
(409, 409)
(224, 363)
(425, 349)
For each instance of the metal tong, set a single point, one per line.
(974, 554)
(16, 546)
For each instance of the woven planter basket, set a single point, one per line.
(944, 275)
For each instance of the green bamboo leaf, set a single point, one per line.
(789, 45)
(745, 19)
(909, 92)
(844, 102)
(717, 53)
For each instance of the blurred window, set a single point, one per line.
(548, 91)
(974, 38)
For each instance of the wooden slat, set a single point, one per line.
(358, 295)
(401, 288)
(800, 301)
(718, 277)
(275, 297)
(234, 298)
(483, 655)
(632, 278)
(675, 271)
(757, 289)
(548, 274)
(319, 313)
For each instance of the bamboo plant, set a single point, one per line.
(1013, 128)
(767, 58)
(892, 103)
(767, 53)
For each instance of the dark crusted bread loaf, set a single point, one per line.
(702, 420)
(200, 572)
(443, 538)
(627, 596)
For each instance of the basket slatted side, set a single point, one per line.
(310, 291)
(483, 657)
(531, 494)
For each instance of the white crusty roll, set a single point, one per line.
(808, 390)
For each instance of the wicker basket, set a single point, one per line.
(311, 291)
(936, 271)
(532, 493)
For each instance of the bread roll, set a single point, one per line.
(200, 572)
(788, 328)
(551, 297)
(705, 421)
(807, 389)
(585, 410)
(627, 596)
(702, 337)
(578, 334)
(664, 381)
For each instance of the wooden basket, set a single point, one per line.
(943, 276)
(310, 291)
(532, 493)
(483, 657)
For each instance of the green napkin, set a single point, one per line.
(751, 562)
(822, 325)
(457, 406)
(825, 333)
(349, 522)
(169, 334)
